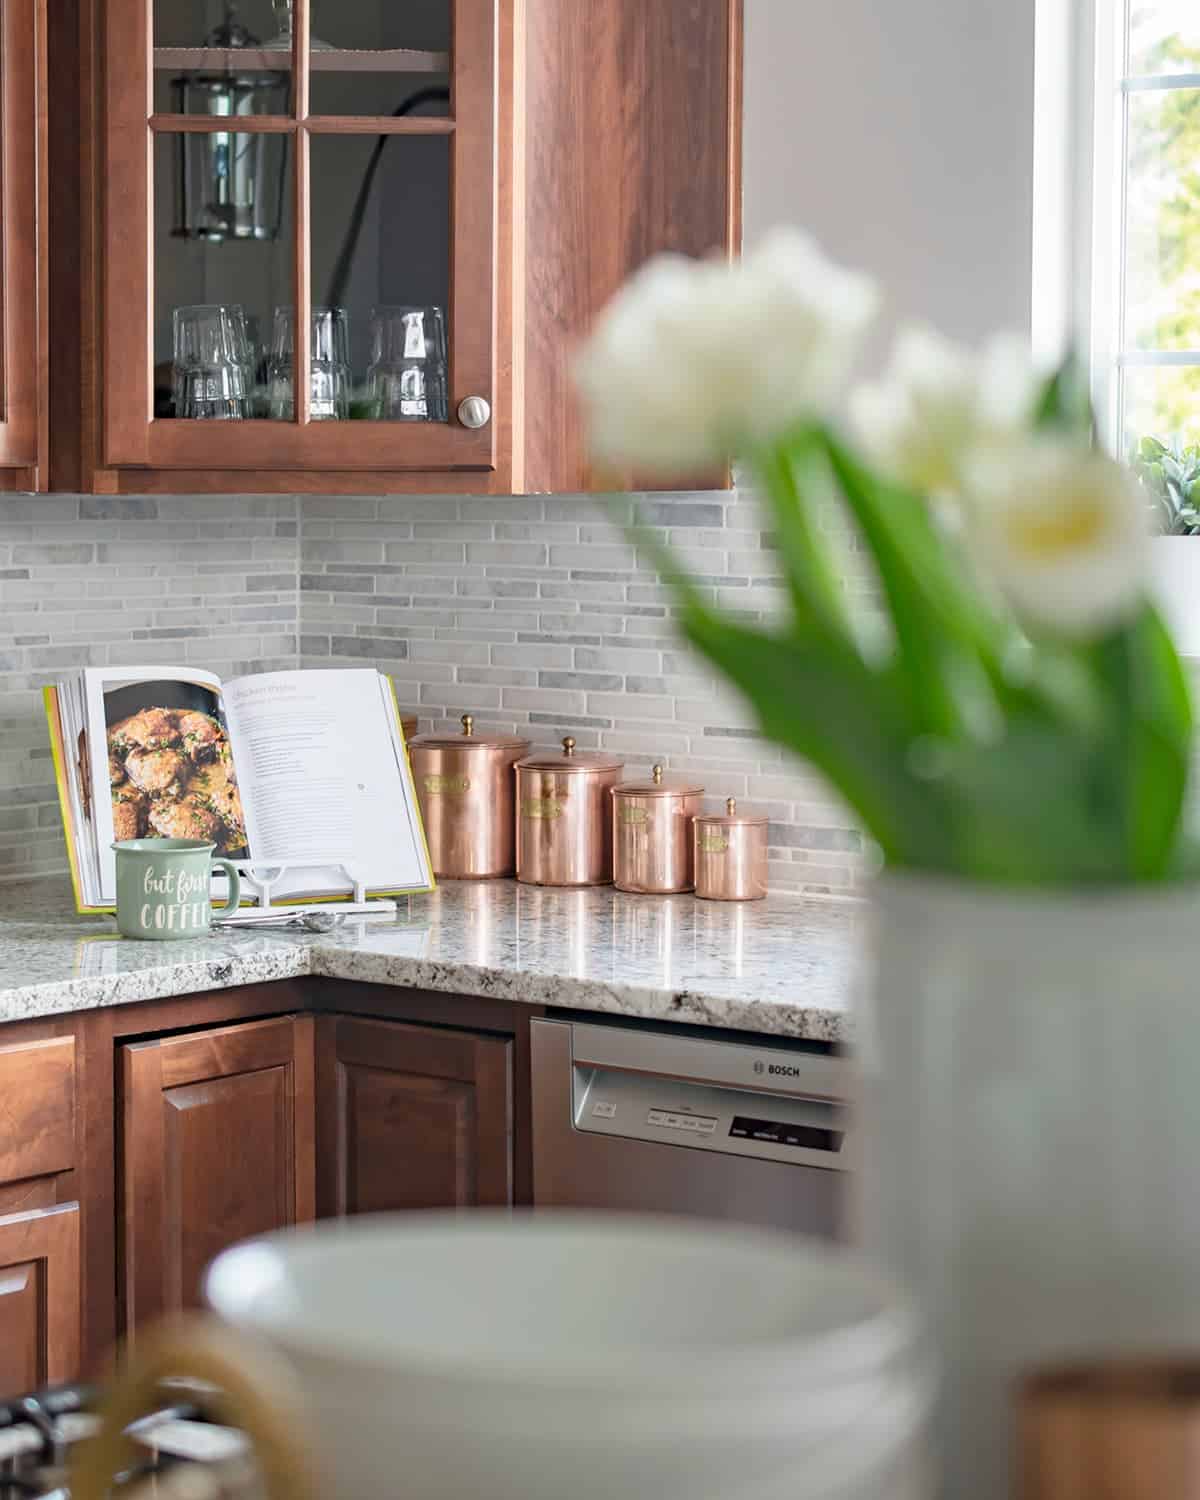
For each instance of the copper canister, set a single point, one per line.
(564, 820)
(465, 787)
(731, 855)
(408, 723)
(652, 835)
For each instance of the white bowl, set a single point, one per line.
(537, 1356)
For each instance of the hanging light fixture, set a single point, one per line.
(230, 184)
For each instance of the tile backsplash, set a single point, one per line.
(89, 580)
(530, 612)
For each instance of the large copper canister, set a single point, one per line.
(731, 855)
(465, 787)
(564, 817)
(652, 835)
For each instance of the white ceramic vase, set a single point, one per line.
(1175, 583)
(1030, 1133)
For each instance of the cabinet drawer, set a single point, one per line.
(37, 1108)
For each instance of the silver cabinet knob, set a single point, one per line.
(474, 411)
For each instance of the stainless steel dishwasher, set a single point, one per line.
(662, 1120)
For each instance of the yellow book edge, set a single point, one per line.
(58, 752)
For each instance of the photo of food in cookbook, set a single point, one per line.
(170, 766)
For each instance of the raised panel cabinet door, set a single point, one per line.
(411, 1117)
(216, 1146)
(23, 247)
(39, 1298)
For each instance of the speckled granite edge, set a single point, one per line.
(646, 1002)
(159, 982)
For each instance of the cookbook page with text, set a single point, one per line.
(325, 780)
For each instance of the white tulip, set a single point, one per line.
(695, 360)
(938, 403)
(1062, 530)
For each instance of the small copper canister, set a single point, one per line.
(652, 835)
(465, 787)
(731, 855)
(564, 821)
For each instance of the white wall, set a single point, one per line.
(900, 132)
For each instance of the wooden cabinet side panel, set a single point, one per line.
(39, 1298)
(140, 1249)
(632, 148)
(23, 305)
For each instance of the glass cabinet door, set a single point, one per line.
(304, 248)
(22, 244)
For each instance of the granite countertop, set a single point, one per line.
(782, 966)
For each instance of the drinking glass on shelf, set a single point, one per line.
(212, 362)
(406, 379)
(329, 365)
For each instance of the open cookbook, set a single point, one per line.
(279, 768)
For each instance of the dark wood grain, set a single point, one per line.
(102, 1034)
(632, 150)
(23, 243)
(411, 1117)
(39, 1298)
(211, 1152)
(37, 1108)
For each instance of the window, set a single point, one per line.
(1138, 192)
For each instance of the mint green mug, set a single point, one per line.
(163, 887)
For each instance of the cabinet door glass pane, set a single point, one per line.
(368, 58)
(216, 294)
(380, 252)
(212, 57)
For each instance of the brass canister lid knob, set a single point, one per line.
(730, 806)
(569, 745)
(468, 724)
(657, 773)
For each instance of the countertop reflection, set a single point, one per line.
(782, 966)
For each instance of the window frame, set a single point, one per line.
(1083, 88)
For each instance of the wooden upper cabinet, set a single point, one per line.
(23, 235)
(367, 238)
(216, 1146)
(347, 228)
(411, 1117)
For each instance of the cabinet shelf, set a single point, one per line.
(276, 60)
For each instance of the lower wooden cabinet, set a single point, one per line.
(39, 1298)
(411, 1117)
(216, 1145)
(140, 1142)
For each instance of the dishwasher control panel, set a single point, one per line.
(647, 1098)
